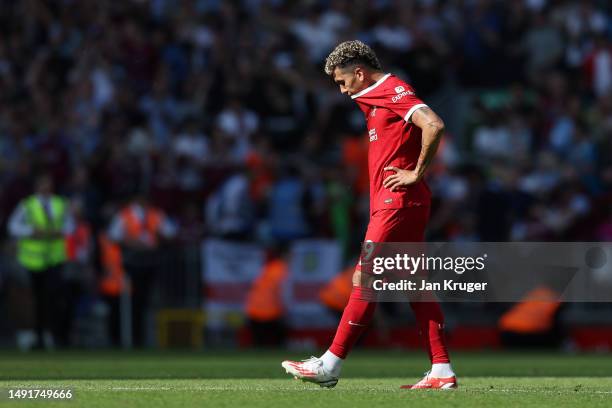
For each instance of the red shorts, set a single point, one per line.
(394, 225)
(398, 225)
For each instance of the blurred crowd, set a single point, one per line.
(220, 114)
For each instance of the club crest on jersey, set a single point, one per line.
(373, 135)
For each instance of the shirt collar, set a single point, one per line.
(369, 88)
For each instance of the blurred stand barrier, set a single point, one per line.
(206, 283)
(16, 307)
(180, 277)
(103, 313)
(175, 286)
(180, 328)
(230, 269)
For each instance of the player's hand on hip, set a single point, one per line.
(401, 178)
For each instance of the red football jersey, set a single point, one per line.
(388, 106)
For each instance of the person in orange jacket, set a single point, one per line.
(112, 284)
(336, 293)
(534, 321)
(264, 303)
(140, 229)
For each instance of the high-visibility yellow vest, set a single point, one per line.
(39, 254)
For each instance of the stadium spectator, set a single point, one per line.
(158, 67)
(169, 97)
(290, 203)
(230, 210)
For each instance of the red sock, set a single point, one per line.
(430, 321)
(356, 317)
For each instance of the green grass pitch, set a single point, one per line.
(255, 379)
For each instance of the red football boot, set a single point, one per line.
(432, 383)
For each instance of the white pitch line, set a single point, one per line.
(204, 388)
(544, 391)
(230, 388)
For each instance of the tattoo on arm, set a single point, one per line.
(432, 130)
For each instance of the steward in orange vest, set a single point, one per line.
(138, 228)
(264, 304)
(533, 322)
(336, 293)
(112, 283)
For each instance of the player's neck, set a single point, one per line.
(376, 76)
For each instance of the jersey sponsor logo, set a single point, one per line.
(373, 135)
(401, 95)
(373, 112)
(388, 201)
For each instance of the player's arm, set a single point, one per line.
(432, 128)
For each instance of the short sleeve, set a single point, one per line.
(404, 103)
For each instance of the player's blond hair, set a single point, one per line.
(351, 52)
